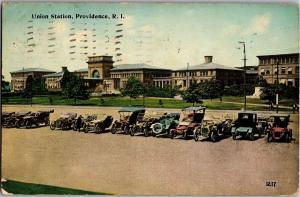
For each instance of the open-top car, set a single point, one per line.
(213, 128)
(143, 124)
(166, 122)
(64, 122)
(17, 119)
(278, 129)
(97, 123)
(37, 119)
(5, 117)
(128, 117)
(190, 120)
(246, 125)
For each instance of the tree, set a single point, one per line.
(193, 94)
(4, 85)
(73, 87)
(133, 88)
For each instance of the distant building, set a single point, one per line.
(206, 71)
(53, 80)
(288, 69)
(251, 74)
(82, 72)
(148, 75)
(19, 77)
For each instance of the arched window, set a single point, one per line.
(96, 74)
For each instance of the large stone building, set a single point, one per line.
(148, 75)
(288, 68)
(52, 81)
(19, 77)
(206, 71)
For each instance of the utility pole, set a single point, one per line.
(277, 88)
(244, 51)
(187, 75)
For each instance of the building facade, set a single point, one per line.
(53, 80)
(148, 75)
(204, 72)
(288, 68)
(19, 77)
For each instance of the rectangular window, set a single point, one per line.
(282, 70)
(290, 70)
(184, 83)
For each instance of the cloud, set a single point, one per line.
(148, 28)
(260, 24)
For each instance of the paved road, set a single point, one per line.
(122, 164)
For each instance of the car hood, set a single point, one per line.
(244, 129)
(278, 129)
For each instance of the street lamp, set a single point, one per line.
(244, 51)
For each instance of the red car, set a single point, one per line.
(278, 128)
(190, 121)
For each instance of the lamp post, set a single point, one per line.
(277, 88)
(244, 59)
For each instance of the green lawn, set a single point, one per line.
(16, 187)
(149, 102)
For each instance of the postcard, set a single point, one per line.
(150, 98)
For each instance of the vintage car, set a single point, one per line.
(213, 128)
(17, 119)
(97, 123)
(246, 126)
(64, 122)
(128, 117)
(143, 124)
(37, 119)
(278, 129)
(190, 120)
(166, 122)
(5, 118)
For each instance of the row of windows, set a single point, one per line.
(283, 70)
(192, 73)
(282, 60)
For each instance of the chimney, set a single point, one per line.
(208, 59)
(64, 68)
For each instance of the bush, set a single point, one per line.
(166, 92)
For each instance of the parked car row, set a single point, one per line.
(190, 123)
(26, 119)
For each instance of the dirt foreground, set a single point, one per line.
(121, 164)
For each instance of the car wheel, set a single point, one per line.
(269, 137)
(126, 130)
(185, 135)
(113, 129)
(234, 136)
(213, 136)
(251, 136)
(18, 125)
(196, 136)
(52, 125)
(171, 134)
(132, 131)
(27, 124)
(287, 138)
(146, 131)
(85, 128)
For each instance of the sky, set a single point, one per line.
(167, 35)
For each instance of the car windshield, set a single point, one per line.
(246, 120)
(280, 122)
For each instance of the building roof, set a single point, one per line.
(286, 54)
(58, 74)
(82, 70)
(135, 67)
(210, 66)
(33, 70)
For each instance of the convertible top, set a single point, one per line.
(280, 115)
(131, 109)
